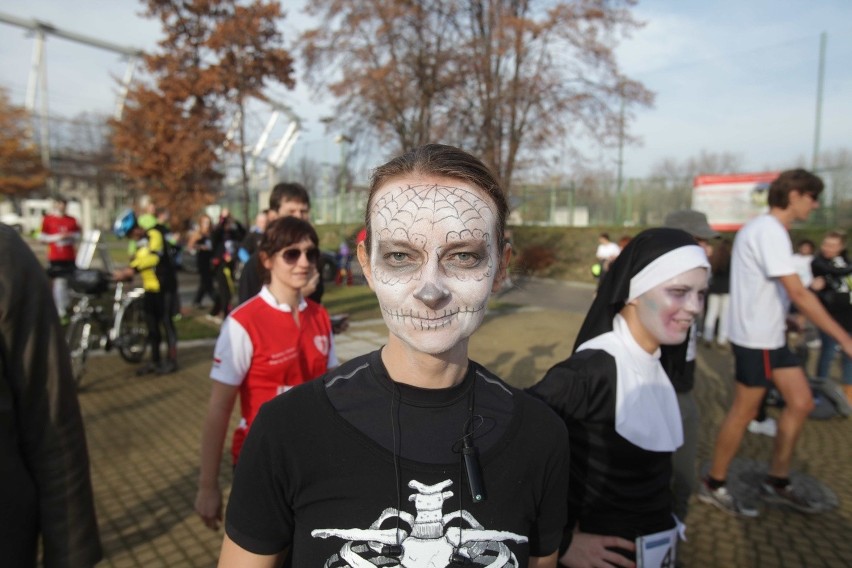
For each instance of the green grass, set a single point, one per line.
(358, 301)
(195, 327)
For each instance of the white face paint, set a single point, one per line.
(433, 259)
(667, 311)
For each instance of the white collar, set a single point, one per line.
(267, 297)
(646, 409)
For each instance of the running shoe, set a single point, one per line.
(722, 499)
(787, 496)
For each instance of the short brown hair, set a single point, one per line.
(280, 234)
(799, 180)
(286, 191)
(445, 161)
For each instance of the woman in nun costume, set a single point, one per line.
(620, 407)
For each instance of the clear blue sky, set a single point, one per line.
(730, 75)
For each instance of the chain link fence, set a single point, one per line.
(644, 202)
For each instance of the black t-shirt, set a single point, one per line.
(446, 410)
(308, 479)
(616, 487)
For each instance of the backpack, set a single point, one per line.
(170, 249)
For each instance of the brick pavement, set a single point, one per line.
(144, 437)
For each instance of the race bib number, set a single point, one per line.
(658, 550)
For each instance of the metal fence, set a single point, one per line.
(646, 201)
(639, 202)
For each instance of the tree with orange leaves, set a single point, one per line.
(21, 170)
(215, 54)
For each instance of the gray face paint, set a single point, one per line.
(431, 295)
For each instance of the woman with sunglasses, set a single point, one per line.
(269, 344)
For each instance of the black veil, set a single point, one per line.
(614, 288)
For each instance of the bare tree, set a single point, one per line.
(671, 180)
(249, 52)
(307, 172)
(503, 78)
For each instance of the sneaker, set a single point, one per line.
(787, 496)
(768, 427)
(724, 500)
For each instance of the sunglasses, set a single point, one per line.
(292, 256)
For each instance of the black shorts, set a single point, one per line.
(753, 367)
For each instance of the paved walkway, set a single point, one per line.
(144, 437)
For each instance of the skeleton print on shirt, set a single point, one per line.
(428, 538)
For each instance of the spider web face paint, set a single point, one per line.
(433, 261)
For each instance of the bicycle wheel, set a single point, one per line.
(77, 336)
(132, 332)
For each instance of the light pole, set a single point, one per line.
(823, 38)
(342, 140)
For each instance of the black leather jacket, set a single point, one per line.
(45, 489)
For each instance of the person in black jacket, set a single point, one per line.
(832, 266)
(46, 491)
(201, 241)
(226, 238)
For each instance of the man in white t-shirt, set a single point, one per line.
(763, 283)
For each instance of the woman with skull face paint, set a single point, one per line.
(376, 463)
(620, 407)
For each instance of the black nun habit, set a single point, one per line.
(617, 401)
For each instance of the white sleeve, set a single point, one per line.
(232, 355)
(332, 353)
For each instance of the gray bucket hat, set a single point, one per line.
(693, 222)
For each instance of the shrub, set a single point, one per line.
(536, 259)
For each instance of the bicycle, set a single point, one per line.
(93, 326)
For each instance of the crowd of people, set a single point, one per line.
(415, 454)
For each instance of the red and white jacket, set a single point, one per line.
(262, 351)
